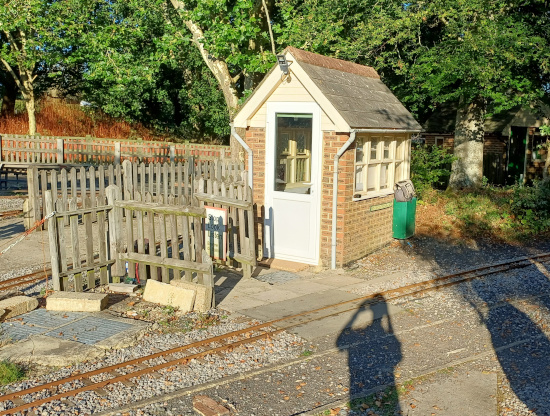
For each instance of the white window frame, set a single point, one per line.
(392, 161)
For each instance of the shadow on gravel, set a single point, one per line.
(11, 230)
(373, 350)
(521, 347)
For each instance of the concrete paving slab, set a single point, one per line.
(304, 287)
(289, 266)
(275, 295)
(49, 351)
(472, 393)
(203, 294)
(89, 330)
(296, 305)
(122, 288)
(339, 280)
(336, 324)
(77, 301)
(17, 305)
(233, 303)
(167, 294)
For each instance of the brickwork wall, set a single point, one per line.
(358, 231)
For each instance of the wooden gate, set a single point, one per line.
(101, 245)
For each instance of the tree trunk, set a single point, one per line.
(467, 170)
(9, 97)
(31, 114)
(547, 162)
(218, 67)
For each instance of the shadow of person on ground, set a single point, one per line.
(521, 346)
(373, 350)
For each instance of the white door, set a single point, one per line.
(292, 188)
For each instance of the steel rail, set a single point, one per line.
(409, 290)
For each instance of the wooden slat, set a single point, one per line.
(151, 236)
(163, 240)
(140, 241)
(87, 220)
(162, 209)
(230, 202)
(166, 262)
(75, 244)
(52, 238)
(102, 238)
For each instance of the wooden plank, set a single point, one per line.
(52, 239)
(84, 210)
(165, 181)
(166, 262)
(75, 245)
(234, 224)
(180, 186)
(129, 236)
(162, 209)
(197, 233)
(54, 181)
(172, 178)
(87, 220)
(150, 180)
(93, 195)
(86, 269)
(44, 186)
(158, 179)
(115, 231)
(102, 238)
(186, 248)
(73, 182)
(118, 177)
(242, 234)
(163, 240)
(225, 201)
(64, 193)
(251, 229)
(61, 239)
(151, 237)
(142, 274)
(83, 184)
(110, 175)
(142, 177)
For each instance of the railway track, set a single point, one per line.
(125, 371)
(25, 280)
(8, 214)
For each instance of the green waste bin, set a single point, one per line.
(404, 216)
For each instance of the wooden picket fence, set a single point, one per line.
(166, 179)
(157, 239)
(20, 149)
(93, 239)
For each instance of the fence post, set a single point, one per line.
(172, 153)
(127, 180)
(115, 231)
(1, 138)
(60, 151)
(33, 189)
(117, 153)
(52, 238)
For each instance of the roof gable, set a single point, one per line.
(352, 95)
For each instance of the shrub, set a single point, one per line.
(430, 167)
(531, 205)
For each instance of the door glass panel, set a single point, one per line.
(293, 153)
